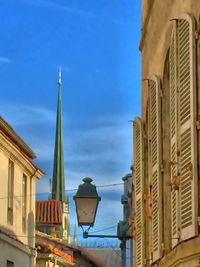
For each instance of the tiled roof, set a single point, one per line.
(46, 240)
(48, 212)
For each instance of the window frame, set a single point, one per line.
(10, 201)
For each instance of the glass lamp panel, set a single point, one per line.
(86, 210)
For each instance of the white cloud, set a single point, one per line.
(65, 8)
(5, 60)
(100, 143)
(108, 141)
(43, 187)
(44, 150)
(104, 145)
(45, 114)
(54, 5)
(102, 152)
(25, 114)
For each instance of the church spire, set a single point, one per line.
(58, 184)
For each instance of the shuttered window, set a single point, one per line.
(155, 169)
(174, 139)
(188, 135)
(183, 130)
(139, 193)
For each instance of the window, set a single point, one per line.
(31, 193)
(10, 191)
(139, 192)
(166, 145)
(24, 201)
(10, 264)
(183, 95)
(155, 163)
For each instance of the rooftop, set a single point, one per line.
(48, 212)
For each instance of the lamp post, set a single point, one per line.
(87, 200)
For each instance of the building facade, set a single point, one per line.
(18, 175)
(167, 137)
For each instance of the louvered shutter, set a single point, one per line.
(187, 121)
(174, 140)
(149, 182)
(139, 193)
(156, 161)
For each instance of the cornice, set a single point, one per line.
(7, 129)
(15, 154)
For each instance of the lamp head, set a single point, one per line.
(86, 200)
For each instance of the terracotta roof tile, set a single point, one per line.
(46, 240)
(48, 212)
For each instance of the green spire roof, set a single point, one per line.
(58, 184)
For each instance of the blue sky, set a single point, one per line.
(96, 43)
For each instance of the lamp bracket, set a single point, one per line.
(86, 235)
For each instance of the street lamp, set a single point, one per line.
(86, 200)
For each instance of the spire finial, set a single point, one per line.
(60, 76)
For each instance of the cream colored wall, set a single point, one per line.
(21, 165)
(156, 36)
(42, 263)
(3, 188)
(185, 263)
(144, 9)
(46, 263)
(31, 218)
(186, 254)
(17, 208)
(9, 252)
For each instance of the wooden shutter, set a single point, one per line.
(149, 250)
(156, 161)
(175, 224)
(139, 193)
(187, 121)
